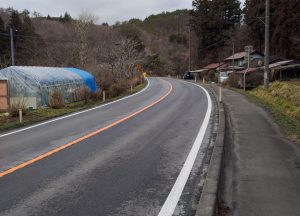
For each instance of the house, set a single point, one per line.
(239, 61)
(280, 70)
(213, 71)
(285, 70)
(214, 66)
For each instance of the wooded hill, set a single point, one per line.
(220, 23)
(160, 43)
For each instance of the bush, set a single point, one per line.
(255, 79)
(56, 100)
(136, 81)
(18, 103)
(95, 96)
(82, 94)
(233, 81)
(117, 89)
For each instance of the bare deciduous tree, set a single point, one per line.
(82, 28)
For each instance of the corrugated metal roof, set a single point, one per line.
(198, 71)
(214, 65)
(248, 70)
(277, 64)
(236, 56)
(240, 55)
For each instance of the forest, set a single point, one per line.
(220, 23)
(158, 44)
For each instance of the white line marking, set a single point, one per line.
(76, 113)
(171, 202)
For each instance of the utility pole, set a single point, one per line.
(233, 57)
(267, 45)
(189, 48)
(12, 49)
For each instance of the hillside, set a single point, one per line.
(164, 39)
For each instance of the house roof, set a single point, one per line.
(198, 71)
(214, 65)
(281, 63)
(236, 56)
(240, 55)
(247, 70)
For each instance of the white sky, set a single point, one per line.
(105, 10)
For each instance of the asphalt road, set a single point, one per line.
(128, 168)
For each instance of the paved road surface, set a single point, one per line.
(126, 169)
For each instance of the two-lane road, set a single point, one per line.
(129, 157)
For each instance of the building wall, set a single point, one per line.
(3, 95)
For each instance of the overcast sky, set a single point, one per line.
(105, 10)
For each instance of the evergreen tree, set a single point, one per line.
(4, 46)
(284, 26)
(28, 45)
(15, 21)
(286, 35)
(213, 22)
(66, 18)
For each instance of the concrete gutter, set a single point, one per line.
(209, 197)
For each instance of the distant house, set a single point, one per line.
(239, 60)
(285, 70)
(280, 70)
(205, 72)
(214, 66)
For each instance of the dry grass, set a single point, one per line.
(9, 122)
(56, 100)
(19, 103)
(283, 99)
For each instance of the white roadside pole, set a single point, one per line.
(20, 115)
(103, 97)
(220, 93)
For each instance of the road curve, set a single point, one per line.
(124, 158)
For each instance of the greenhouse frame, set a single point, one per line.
(36, 84)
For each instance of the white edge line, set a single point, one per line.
(171, 202)
(75, 113)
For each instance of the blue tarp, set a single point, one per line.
(88, 79)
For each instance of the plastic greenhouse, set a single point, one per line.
(35, 84)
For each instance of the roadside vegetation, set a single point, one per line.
(11, 121)
(283, 100)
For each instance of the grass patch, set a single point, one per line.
(282, 99)
(8, 122)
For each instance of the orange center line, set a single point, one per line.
(67, 145)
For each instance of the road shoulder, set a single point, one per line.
(261, 171)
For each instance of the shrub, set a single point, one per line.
(255, 79)
(18, 103)
(82, 94)
(233, 81)
(56, 100)
(136, 81)
(95, 96)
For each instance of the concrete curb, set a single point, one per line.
(207, 205)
